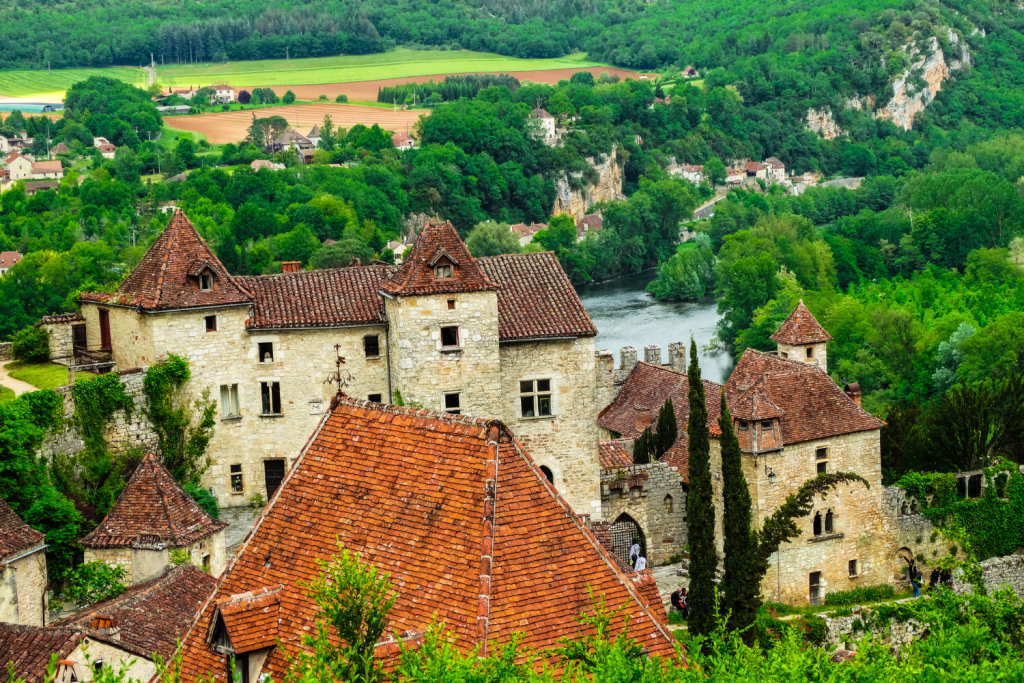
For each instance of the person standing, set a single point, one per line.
(641, 564)
(933, 579)
(685, 599)
(677, 599)
(634, 552)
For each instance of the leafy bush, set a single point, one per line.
(180, 557)
(93, 582)
(861, 595)
(204, 498)
(342, 99)
(31, 345)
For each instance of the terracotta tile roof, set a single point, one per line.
(416, 274)
(15, 536)
(801, 328)
(152, 512)
(773, 162)
(154, 615)
(9, 258)
(47, 167)
(251, 618)
(318, 298)
(29, 649)
(536, 299)
(161, 281)
(456, 512)
(812, 405)
(649, 386)
(541, 114)
(614, 456)
(756, 404)
(60, 319)
(754, 166)
(592, 221)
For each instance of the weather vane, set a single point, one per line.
(339, 376)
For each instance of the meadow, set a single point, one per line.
(400, 63)
(50, 85)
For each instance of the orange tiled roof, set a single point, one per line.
(614, 456)
(801, 328)
(251, 618)
(812, 405)
(454, 509)
(416, 274)
(15, 536)
(161, 281)
(152, 512)
(60, 319)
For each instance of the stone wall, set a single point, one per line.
(209, 553)
(998, 573)
(566, 442)
(577, 203)
(23, 590)
(841, 631)
(653, 496)
(62, 350)
(135, 668)
(610, 379)
(5, 351)
(819, 354)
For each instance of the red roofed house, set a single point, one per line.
(403, 140)
(8, 259)
(454, 508)
(504, 337)
(755, 169)
(776, 169)
(793, 422)
(22, 571)
(526, 232)
(153, 516)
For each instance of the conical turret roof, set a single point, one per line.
(801, 328)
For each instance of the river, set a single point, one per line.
(626, 315)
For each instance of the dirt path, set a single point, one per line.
(15, 385)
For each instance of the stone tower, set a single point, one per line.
(802, 338)
(442, 312)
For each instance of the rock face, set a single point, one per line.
(932, 68)
(578, 202)
(823, 122)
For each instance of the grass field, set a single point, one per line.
(6, 395)
(51, 85)
(44, 375)
(400, 63)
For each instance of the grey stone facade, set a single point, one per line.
(652, 496)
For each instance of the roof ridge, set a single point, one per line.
(678, 372)
(163, 498)
(490, 522)
(167, 254)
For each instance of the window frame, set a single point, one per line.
(231, 479)
(207, 320)
(821, 461)
(456, 345)
(375, 345)
(440, 268)
(379, 398)
(206, 282)
(451, 304)
(852, 568)
(259, 352)
(233, 399)
(535, 394)
(270, 392)
(457, 408)
(810, 352)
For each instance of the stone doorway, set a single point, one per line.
(626, 532)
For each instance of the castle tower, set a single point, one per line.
(802, 338)
(442, 310)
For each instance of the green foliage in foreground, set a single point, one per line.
(31, 345)
(93, 582)
(858, 596)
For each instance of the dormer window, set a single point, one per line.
(206, 282)
(442, 271)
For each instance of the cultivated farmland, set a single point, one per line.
(50, 86)
(400, 63)
(232, 126)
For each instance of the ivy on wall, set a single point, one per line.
(183, 440)
(989, 526)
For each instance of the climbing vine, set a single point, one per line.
(991, 525)
(183, 440)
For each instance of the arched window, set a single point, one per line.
(905, 509)
(829, 519)
(626, 532)
(668, 503)
(914, 507)
(547, 473)
(817, 524)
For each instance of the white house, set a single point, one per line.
(19, 167)
(7, 260)
(776, 169)
(690, 172)
(108, 151)
(225, 93)
(547, 124)
(403, 140)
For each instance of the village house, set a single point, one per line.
(591, 221)
(735, 175)
(526, 232)
(61, 148)
(504, 337)
(689, 72)
(776, 169)
(403, 140)
(691, 172)
(265, 163)
(314, 136)
(152, 517)
(23, 579)
(97, 141)
(459, 513)
(547, 125)
(128, 631)
(21, 167)
(5, 144)
(34, 186)
(755, 169)
(107, 150)
(8, 259)
(223, 93)
(793, 422)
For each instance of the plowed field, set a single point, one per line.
(232, 126)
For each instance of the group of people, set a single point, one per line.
(638, 561)
(943, 577)
(680, 598)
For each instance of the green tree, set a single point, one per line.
(31, 345)
(740, 590)
(289, 97)
(700, 507)
(491, 239)
(127, 166)
(326, 133)
(667, 430)
(714, 171)
(185, 150)
(559, 235)
(643, 448)
(94, 582)
(259, 259)
(227, 252)
(341, 253)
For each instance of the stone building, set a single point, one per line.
(455, 509)
(792, 422)
(504, 337)
(152, 517)
(22, 571)
(124, 631)
(67, 331)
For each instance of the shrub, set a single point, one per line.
(179, 557)
(341, 98)
(31, 345)
(860, 595)
(322, 98)
(204, 498)
(93, 582)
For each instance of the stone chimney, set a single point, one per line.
(627, 359)
(853, 391)
(652, 354)
(643, 417)
(677, 356)
(291, 266)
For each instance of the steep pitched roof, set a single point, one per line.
(162, 281)
(649, 386)
(152, 512)
(756, 404)
(536, 299)
(154, 615)
(801, 328)
(318, 298)
(15, 536)
(251, 618)
(453, 508)
(812, 405)
(416, 274)
(614, 455)
(29, 648)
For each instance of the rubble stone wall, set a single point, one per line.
(5, 351)
(656, 503)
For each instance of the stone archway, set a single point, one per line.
(625, 532)
(899, 564)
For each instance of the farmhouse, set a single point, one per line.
(526, 232)
(21, 167)
(107, 150)
(503, 337)
(755, 169)
(793, 422)
(8, 259)
(547, 125)
(691, 172)
(403, 140)
(455, 508)
(223, 93)
(776, 169)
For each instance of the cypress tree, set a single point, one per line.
(666, 432)
(739, 585)
(642, 448)
(700, 508)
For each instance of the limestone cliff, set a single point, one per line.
(578, 202)
(908, 101)
(823, 122)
